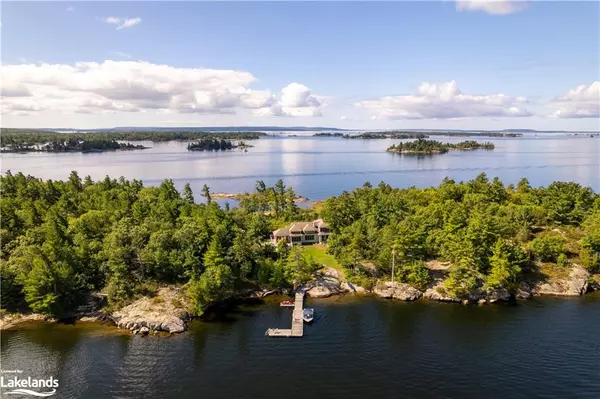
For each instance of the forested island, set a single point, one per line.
(62, 240)
(328, 134)
(72, 144)
(399, 134)
(215, 144)
(422, 146)
(385, 135)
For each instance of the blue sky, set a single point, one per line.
(346, 64)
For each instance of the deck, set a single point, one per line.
(297, 329)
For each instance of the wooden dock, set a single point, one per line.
(297, 329)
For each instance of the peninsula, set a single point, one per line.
(148, 258)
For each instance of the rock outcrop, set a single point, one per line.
(326, 284)
(164, 312)
(347, 286)
(575, 285)
(402, 291)
(437, 292)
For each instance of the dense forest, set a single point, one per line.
(64, 239)
(422, 146)
(490, 233)
(74, 145)
(216, 144)
(26, 137)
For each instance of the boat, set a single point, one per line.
(287, 304)
(308, 315)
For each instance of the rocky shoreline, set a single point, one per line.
(166, 312)
(239, 196)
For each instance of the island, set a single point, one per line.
(72, 144)
(385, 135)
(328, 134)
(215, 144)
(149, 258)
(422, 146)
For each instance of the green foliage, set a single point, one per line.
(480, 226)
(547, 248)
(461, 280)
(216, 144)
(506, 264)
(415, 273)
(61, 239)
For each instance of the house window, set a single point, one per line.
(309, 238)
(296, 239)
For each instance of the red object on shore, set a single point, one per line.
(287, 303)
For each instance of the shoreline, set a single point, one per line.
(239, 196)
(135, 319)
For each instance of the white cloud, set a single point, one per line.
(444, 101)
(128, 23)
(122, 22)
(294, 100)
(70, 9)
(137, 86)
(581, 102)
(121, 54)
(494, 7)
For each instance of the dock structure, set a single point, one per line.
(297, 329)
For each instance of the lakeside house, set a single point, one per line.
(300, 233)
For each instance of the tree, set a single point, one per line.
(547, 248)
(188, 194)
(206, 193)
(506, 264)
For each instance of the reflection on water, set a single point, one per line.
(356, 348)
(318, 167)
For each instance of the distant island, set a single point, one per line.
(37, 140)
(422, 146)
(400, 134)
(215, 144)
(328, 134)
(385, 135)
(72, 144)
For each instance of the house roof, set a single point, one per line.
(301, 227)
(284, 231)
(320, 223)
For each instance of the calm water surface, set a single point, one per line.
(319, 167)
(356, 348)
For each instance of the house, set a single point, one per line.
(300, 233)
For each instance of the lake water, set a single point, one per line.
(319, 167)
(356, 348)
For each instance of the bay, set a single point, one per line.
(319, 167)
(357, 347)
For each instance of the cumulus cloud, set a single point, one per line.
(137, 86)
(494, 7)
(294, 100)
(122, 23)
(581, 102)
(444, 101)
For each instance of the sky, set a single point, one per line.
(363, 65)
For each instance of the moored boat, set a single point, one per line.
(308, 315)
(289, 304)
